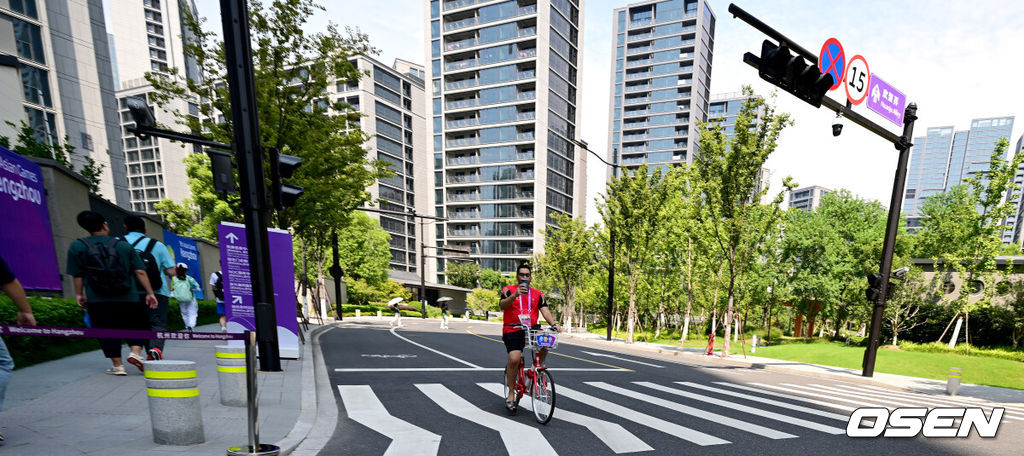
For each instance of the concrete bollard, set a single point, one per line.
(378, 314)
(231, 375)
(357, 313)
(953, 381)
(753, 345)
(174, 408)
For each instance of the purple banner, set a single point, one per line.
(53, 331)
(26, 242)
(886, 100)
(238, 300)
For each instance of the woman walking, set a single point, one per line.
(184, 289)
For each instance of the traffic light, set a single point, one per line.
(792, 73)
(282, 166)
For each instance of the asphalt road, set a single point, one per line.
(421, 390)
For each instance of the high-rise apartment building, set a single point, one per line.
(66, 88)
(1016, 220)
(807, 198)
(943, 158)
(148, 36)
(723, 109)
(504, 87)
(391, 100)
(661, 73)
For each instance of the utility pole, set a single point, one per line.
(336, 273)
(611, 237)
(249, 156)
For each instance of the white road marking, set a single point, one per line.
(959, 402)
(906, 397)
(711, 417)
(658, 424)
(362, 406)
(747, 409)
(786, 405)
(620, 358)
(519, 438)
(468, 369)
(615, 436)
(822, 396)
(788, 396)
(435, 351)
(835, 392)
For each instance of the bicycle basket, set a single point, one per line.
(543, 338)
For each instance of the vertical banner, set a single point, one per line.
(238, 299)
(185, 250)
(26, 241)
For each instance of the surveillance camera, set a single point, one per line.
(837, 128)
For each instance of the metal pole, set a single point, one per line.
(423, 272)
(336, 273)
(250, 389)
(611, 252)
(892, 225)
(249, 156)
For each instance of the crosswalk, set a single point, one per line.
(636, 416)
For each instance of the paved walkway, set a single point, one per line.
(923, 385)
(71, 407)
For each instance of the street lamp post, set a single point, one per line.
(611, 236)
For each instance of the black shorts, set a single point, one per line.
(516, 340)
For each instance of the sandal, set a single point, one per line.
(510, 406)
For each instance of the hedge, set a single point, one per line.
(29, 350)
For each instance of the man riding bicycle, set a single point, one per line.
(521, 305)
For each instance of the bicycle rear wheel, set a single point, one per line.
(543, 393)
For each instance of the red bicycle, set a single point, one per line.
(535, 381)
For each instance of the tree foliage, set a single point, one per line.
(29, 144)
(463, 274)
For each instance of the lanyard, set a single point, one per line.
(529, 302)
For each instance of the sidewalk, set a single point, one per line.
(921, 385)
(71, 407)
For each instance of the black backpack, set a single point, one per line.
(218, 287)
(105, 275)
(156, 279)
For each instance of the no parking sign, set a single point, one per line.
(832, 61)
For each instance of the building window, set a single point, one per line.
(155, 29)
(152, 3)
(42, 123)
(154, 16)
(86, 141)
(156, 41)
(26, 7)
(28, 39)
(36, 85)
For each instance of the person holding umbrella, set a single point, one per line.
(397, 321)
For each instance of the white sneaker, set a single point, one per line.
(223, 329)
(119, 371)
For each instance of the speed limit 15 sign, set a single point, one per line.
(857, 79)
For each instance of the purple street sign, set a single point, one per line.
(26, 242)
(238, 299)
(886, 100)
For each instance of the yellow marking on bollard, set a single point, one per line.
(231, 370)
(172, 393)
(231, 355)
(170, 374)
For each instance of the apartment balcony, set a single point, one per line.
(459, 4)
(642, 74)
(464, 214)
(528, 115)
(460, 24)
(636, 37)
(462, 123)
(459, 104)
(634, 161)
(636, 112)
(636, 88)
(526, 53)
(525, 136)
(461, 64)
(461, 44)
(638, 62)
(527, 95)
(464, 197)
(464, 233)
(463, 142)
(528, 74)
(469, 83)
(529, 31)
(641, 22)
(464, 160)
(468, 178)
(639, 49)
(636, 100)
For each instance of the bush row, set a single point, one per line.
(65, 313)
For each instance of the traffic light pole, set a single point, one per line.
(249, 157)
(903, 144)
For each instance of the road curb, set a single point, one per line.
(308, 409)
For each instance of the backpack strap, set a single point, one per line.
(149, 247)
(137, 241)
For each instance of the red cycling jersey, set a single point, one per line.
(526, 304)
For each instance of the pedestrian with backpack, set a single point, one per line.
(217, 282)
(159, 270)
(108, 274)
(185, 288)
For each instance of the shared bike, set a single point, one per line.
(535, 381)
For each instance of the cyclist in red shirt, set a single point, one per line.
(521, 305)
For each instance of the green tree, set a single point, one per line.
(494, 280)
(364, 249)
(463, 274)
(292, 70)
(568, 253)
(633, 208)
(481, 301)
(30, 144)
(728, 169)
(910, 296)
(963, 228)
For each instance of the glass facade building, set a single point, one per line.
(943, 158)
(661, 73)
(504, 87)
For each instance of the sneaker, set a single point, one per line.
(137, 361)
(118, 370)
(155, 354)
(223, 329)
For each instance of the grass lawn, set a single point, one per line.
(979, 370)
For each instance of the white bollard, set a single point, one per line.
(231, 375)
(736, 333)
(357, 313)
(953, 381)
(378, 314)
(174, 409)
(753, 345)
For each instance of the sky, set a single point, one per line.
(958, 60)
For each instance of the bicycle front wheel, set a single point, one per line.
(543, 393)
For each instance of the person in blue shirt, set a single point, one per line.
(136, 229)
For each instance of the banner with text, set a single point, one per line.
(185, 250)
(238, 299)
(26, 241)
